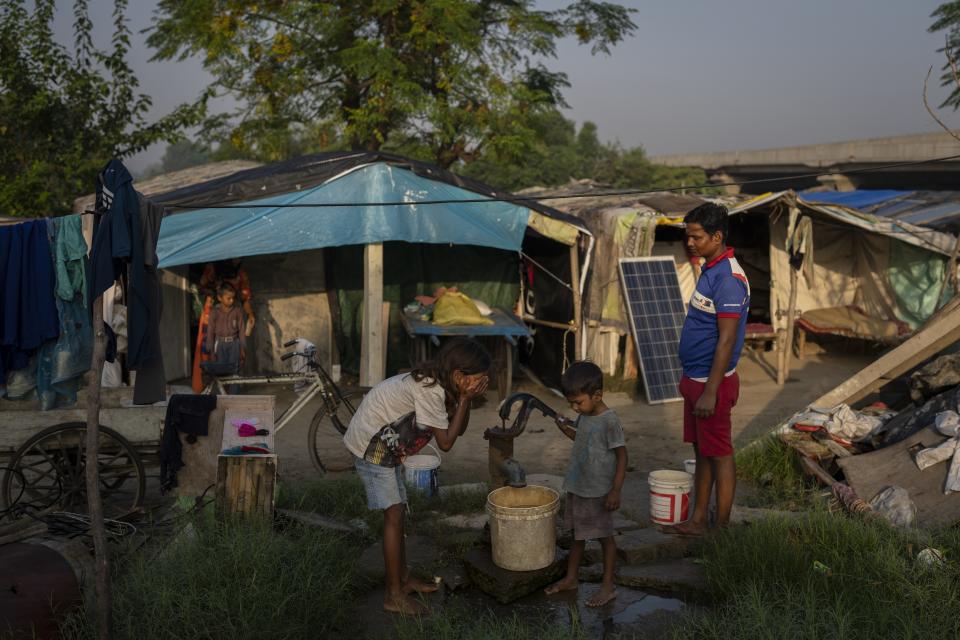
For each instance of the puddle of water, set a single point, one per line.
(630, 607)
(644, 607)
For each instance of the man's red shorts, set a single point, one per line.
(711, 435)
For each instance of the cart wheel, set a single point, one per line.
(50, 469)
(324, 425)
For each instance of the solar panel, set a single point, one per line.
(652, 292)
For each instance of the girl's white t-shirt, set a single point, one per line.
(388, 404)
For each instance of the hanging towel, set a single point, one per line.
(63, 361)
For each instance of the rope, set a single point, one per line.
(563, 348)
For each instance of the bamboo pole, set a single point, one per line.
(94, 503)
(549, 323)
(783, 371)
(577, 303)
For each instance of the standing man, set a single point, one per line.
(710, 346)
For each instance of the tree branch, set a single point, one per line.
(927, 103)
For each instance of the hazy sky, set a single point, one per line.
(701, 75)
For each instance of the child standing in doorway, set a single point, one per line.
(595, 475)
(227, 331)
(396, 419)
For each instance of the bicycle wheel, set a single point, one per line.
(50, 469)
(324, 424)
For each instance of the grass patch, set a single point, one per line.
(449, 502)
(343, 498)
(768, 581)
(771, 467)
(462, 622)
(236, 581)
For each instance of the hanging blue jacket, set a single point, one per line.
(117, 242)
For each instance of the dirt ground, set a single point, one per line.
(654, 433)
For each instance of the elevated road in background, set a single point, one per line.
(837, 158)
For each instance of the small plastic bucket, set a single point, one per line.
(420, 472)
(670, 496)
(690, 466)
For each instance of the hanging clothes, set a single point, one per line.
(125, 239)
(63, 362)
(28, 312)
(144, 318)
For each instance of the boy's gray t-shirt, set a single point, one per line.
(593, 462)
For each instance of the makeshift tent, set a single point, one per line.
(327, 201)
(891, 269)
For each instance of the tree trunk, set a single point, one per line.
(94, 503)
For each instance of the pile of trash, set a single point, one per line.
(920, 438)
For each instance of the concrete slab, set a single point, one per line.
(641, 546)
(683, 576)
(316, 520)
(507, 586)
(747, 515)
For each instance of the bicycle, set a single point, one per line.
(337, 407)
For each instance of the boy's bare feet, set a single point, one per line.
(411, 585)
(404, 605)
(688, 528)
(567, 584)
(602, 597)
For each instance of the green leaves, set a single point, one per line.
(64, 113)
(560, 153)
(444, 80)
(947, 18)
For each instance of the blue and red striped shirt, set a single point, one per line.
(722, 292)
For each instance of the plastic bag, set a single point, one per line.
(894, 504)
(947, 423)
(454, 307)
(935, 455)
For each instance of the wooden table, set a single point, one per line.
(503, 333)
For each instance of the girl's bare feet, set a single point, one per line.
(567, 584)
(602, 597)
(413, 585)
(404, 605)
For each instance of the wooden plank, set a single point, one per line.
(813, 468)
(935, 337)
(804, 444)
(200, 458)
(385, 346)
(137, 424)
(784, 354)
(868, 473)
(631, 366)
(372, 368)
(577, 303)
(246, 486)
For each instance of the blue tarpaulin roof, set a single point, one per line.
(860, 199)
(208, 234)
(935, 209)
